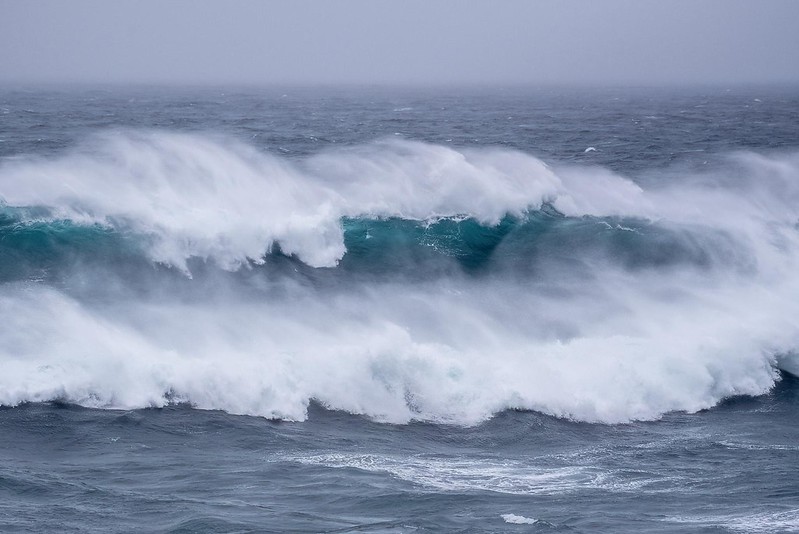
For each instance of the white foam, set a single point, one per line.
(445, 474)
(535, 477)
(518, 519)
(778, 521)
(758, 446)
(395, 354)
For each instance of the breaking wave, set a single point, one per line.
(400, 280)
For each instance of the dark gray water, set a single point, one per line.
(372, 310)
(182, 470)
(638, 129)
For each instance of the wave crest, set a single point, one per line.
(198, 197)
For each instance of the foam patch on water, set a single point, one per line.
(444, 474)
(758, 446)
(779, 521)
(518, 519)
(493, 475)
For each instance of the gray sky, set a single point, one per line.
(400, 41)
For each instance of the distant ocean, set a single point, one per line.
(374, 310)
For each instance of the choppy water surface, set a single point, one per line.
(395, 311)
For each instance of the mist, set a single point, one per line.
(392, 42)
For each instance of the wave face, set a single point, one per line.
(396, 279)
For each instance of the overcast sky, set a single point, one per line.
(400, 41)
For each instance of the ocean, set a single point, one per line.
(370, 309)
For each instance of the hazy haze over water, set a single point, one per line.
(391, 42)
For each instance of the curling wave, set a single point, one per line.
(195, 197)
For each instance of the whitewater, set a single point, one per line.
(597, 336)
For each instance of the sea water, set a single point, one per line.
(399, 310)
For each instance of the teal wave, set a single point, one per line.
(32, 244)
